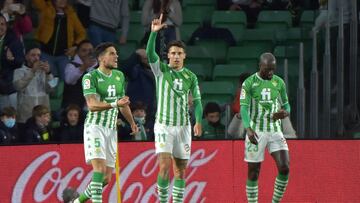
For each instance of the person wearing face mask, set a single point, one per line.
(72, 126)
(37, 128)
(33, 81)
(138, 110)
(212, 126)
(8, 128)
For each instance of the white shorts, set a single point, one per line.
(100, 143)
(274, 141)
(175, 140)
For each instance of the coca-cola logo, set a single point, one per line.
(137, 179)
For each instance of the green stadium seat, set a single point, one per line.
(199, 55)
(217, 49)
(186, 30)
(56, 97)
(245, 55)
(235, 21)
(205, 11)
(231, 72)
(221, 92)
(200, 71)
(136, 33)
(259, 37)
(135, 17)
(307, 18)
(187, 3)
(274, 19)
(125, 50)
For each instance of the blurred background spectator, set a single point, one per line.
(172, 17)
(83, 11)
(15, 13)
(212, 128)
(12, 57)
(106, 17)
(59, 32)
(37, 129)
(141, 85)
(8, 128)
(33, 81)
(72, 125)
(82, 63)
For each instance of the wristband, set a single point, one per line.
(114, 104)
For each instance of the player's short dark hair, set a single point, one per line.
(40, 110)
(82, 42)
(8, 111)
(100, 49)
(176, 43)
(137, 105)
(71, 107)
(211, 107)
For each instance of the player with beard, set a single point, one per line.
(264, 103)
(103, 89)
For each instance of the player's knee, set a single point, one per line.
(284, 169)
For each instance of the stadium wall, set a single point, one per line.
(320, 171)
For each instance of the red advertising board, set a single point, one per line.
(320, 171)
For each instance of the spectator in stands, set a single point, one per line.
(15, 13)
(37, 128)
(82, 63)
(236, 129)
(8, 128)
(59, 32)
(141, 85)
(72, 126)
(138, 110)
(33, 81)
(83, 11)
(172, 17)
(252, 8)
(211, 124)
(11, 57)
(105, 18)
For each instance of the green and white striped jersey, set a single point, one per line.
(172, 92)
(264, 97)
(107, 88)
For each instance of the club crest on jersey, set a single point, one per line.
(186, 76)
(117, 78)
(87, 84)
(274, 83)
(243, 94)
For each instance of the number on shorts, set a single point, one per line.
(97, 142)
(161, 137)
(251, 147)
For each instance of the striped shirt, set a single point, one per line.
(107, 88)
(264, 97)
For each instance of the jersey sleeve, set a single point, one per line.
(195, 90)
(283, 94)
(88, 85)
(122, 82)
(245, 97)
(156, 66)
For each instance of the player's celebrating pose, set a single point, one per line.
(104, 93)
(264, 103)
(172, 128)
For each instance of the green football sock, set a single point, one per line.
(163, 186)
(280, 187)
(87, 193)
(178, 191)
(96, 187)
(252, 191)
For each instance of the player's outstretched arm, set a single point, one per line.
(156, 25)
